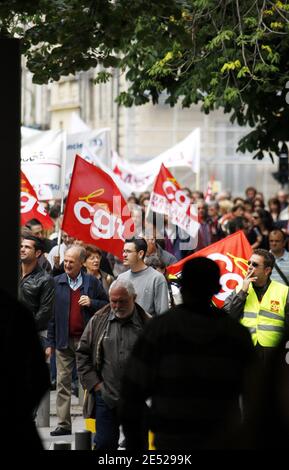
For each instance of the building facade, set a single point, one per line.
(140, 133)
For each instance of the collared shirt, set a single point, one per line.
(118, 341)
(74, 284)
(283, 264)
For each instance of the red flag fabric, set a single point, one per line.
(168, 198)
(231, 254)
(30, 208)
(95, 210)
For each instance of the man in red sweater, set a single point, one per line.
(77, 297)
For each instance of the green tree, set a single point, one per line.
(230, 54)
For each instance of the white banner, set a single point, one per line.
(41, 161)
(139, 177)
(41, 157)
(95, 142)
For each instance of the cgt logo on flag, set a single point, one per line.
(103, 223)
(30, 208)
(168, 198)
(231, 254)
(233, 271)
(95, 210)
(92, 199)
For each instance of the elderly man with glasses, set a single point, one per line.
(261, 304)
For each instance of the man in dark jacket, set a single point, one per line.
(77, 297)
(36, 288)
(191, 362)
(101, 355)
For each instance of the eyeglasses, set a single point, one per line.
(254, 264)
(128, 252)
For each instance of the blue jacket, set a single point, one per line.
(58, 327)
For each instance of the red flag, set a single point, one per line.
(231, 254)
(95, 210)
(168, 198)
(30, 208)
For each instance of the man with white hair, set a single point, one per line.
(101, 356)
(77, 296)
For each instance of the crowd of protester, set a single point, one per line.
(219, 215)
(265, 224)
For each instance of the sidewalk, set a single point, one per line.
(78, 423)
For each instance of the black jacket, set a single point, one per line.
(36, 292)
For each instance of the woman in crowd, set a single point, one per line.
(92, 265)
(258, 236)
(274, 207)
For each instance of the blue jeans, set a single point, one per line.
(107, 425)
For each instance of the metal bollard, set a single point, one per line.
(83, 440)
(43, 412)
(62, 445)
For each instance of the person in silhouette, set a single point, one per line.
(267, 409)
(24, 375)
(192, 364)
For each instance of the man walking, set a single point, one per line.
(77, 297)
(101, 356)
(150, 285)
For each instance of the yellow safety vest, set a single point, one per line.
(265, 319)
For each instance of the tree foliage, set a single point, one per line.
(231, 54)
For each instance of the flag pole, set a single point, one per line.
(198, 162)
(62, 185)
(197, 183)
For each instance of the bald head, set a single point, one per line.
(74, 258)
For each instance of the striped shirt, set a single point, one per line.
(283, 264)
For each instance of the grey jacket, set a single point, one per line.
(89, 354)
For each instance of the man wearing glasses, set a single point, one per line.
(150, 285)
(261, 304)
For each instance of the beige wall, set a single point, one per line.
(146, 131)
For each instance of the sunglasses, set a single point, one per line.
(254, 264)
